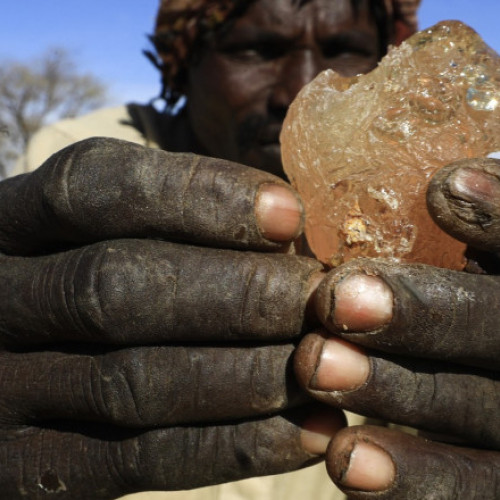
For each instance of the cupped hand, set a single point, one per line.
(417, 346)
(148, 311)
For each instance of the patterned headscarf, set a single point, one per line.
(180, 23)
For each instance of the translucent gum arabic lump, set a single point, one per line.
(361, 151)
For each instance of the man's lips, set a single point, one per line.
(269, 142)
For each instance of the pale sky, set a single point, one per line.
(107, 36)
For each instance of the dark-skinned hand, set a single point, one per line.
(148, 311)
(417, 346)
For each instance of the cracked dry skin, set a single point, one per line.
(361, 151)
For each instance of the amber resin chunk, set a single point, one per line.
(361, 151)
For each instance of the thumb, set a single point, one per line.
(377, 463)
(464, 200)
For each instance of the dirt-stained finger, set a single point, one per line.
(148, 387)
(102, 463)
(439, 397)
(427, 312)
(141, 291)
(464, 200)
(377, 463)
(103, 188)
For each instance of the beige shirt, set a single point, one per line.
(312, 483)
(110, 122)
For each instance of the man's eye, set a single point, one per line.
(255, 52)
(335, 50)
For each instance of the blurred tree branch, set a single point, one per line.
(33, 94)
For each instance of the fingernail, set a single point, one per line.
(369, 468)
(341, 367)
(362, 303)
(473, 185)
(279, 213)
(319, 429)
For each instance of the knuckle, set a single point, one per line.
(188, 193)
(81, 291)
(62, 298)
(270, 386)
(123, 465)
(62, 174)
(120, 292)
(86, 182)
(213, 199)
(111, 290)
(119, 387)
(113, 284)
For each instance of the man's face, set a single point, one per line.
(241, 86)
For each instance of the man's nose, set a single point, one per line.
(297, 69)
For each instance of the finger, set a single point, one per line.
(416, 310)
(148, 387)
(130, 291)
(104, 188)
(115, 463)
(437, 397)
(373, 462)
(464, 199)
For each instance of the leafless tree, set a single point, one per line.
(33, 94)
